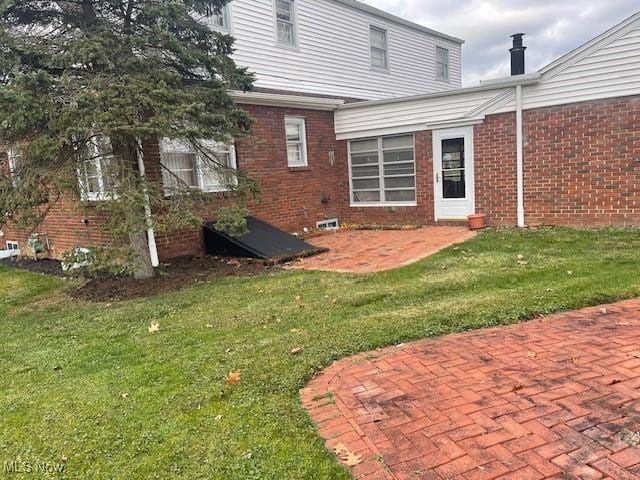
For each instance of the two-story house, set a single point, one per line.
(309, 57)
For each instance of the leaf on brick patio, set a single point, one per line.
(603, 311)
(623, 324)
(353, 459)
(532, 354)
(635, 354)
(346, 456)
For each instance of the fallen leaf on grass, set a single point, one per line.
(297, 351)
(154, 327)
(233, 377)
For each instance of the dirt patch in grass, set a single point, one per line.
(178, 274)
(48, 267)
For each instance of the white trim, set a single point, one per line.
(95, 157)
(281, 100)
(585, 49)
(386, 67)
(300, 122)
(470, 194)
(382, 203)
(294, 26)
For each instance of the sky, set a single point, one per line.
(553, 27)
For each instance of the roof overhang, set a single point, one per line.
(282, 100)
(363, 7)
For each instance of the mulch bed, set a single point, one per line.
(178, 274)
(48, 267)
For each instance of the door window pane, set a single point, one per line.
(453, 184)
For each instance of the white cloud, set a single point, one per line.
(553, 27)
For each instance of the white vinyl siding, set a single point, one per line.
(382, 171)
(285, 23)
(442, 64)
(210, 170)
(332, 55)
(97, 170)
(296, 134)
(379, 48)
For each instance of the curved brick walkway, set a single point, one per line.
(551, 398)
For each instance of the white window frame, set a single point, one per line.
(11, 245)
(225, 13)
(199, 166)
(386, 47)
(93, 152)
(447, 65)
(293, 23)
(327, 224)
(383, 202)
(302, 125)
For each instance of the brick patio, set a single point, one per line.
(551, 398)
(362, 251)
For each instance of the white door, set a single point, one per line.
(453, 173)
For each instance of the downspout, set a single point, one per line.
(151, 235)
(519, 159)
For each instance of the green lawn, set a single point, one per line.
(89, 382)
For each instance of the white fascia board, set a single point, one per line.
(281, 100)
(595, 43)
(363, 7)
(381, 132)
(500, 83)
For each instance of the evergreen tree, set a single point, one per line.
(84, 83)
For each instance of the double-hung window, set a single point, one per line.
(442, 64)
(383, 171)
(296, 141)
(211, 169)
(379, 47)
(97, 169)
(286, 23)
(221, 21)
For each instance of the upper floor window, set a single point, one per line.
(96, 169)
(383, 171)
(379, 48)
(286, 22)
(221, 20)
(211, 169)
(296, 142)
(442, 64)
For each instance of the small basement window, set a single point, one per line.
(331, 224)
(12, 246)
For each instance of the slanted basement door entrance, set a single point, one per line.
(263, 241)
(453, 173)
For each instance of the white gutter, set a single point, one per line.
(282, 100)
(520, 158)
(151, 235)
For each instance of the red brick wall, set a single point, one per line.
(67, 226)
(422, 214)
(582, 163)
(495, 168)
(291, 198)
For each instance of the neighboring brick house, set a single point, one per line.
(349, 126)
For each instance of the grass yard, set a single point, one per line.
(89, 383)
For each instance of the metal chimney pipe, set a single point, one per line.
(517, 55)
